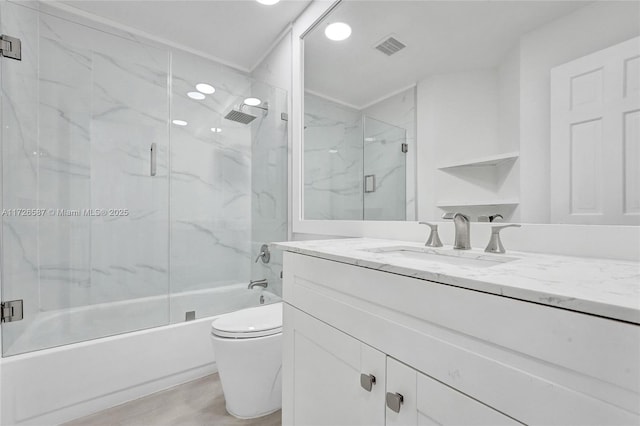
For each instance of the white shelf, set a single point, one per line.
(490, 160)
(453, 203)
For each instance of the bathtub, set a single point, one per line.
(51, 386)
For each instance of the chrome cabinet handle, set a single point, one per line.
(434, 238)
(153, 159)
(394, 401)
(367, 381)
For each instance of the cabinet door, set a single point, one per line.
(427, 402)
(327, 369)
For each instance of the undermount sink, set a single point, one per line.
(449, 256)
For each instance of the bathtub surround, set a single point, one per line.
(78, 123)
(210, 179)
(73, 380)
(64, 383)
(187, 228)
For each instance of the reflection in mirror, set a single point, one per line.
(347, 148)
(384, 162)
(522, 110)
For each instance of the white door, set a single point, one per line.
(327, 388)
(595, 137)
(427, 402)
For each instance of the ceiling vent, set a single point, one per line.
(390, 45)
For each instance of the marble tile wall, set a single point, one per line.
(20, 166)
(210, 179)
(335, 163)
(400, 110)
(79, 115)
(103, 110)
(332, 160)
(269, 178)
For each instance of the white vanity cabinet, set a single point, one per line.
(455, 355)
(339, 380)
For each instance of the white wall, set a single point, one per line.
(509, 101)
(463, 116)
(507, 109)
(275, 67)
(587, 30)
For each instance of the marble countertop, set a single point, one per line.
(608, 288)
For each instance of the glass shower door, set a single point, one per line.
(84, 204)
(385, 174)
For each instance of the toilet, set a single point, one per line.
(248, 350)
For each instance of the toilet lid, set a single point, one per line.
(252, 322)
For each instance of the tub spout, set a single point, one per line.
(258, 283)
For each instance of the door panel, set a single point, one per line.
(595, 160)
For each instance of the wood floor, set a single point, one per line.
(197, 403)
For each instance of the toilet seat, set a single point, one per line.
(249, 323)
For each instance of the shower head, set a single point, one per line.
(239, 116)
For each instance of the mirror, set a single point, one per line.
(523, 111)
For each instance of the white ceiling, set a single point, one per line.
(441, 36)
(237, 32)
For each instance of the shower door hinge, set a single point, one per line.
(405, 147)
(10, 47)
(11, 311)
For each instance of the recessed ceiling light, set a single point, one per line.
(205, 88)
(216, 129)
(252, 101)
(337, 31)
(268, 2)
(369, 139)
(333, 151)
(179, 122)
(196, 95)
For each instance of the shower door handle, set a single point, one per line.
(153, 159)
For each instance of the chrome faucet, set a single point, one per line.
(258, 283)
(434, 238)
(463, 230)
(495, 244)
(264, 254)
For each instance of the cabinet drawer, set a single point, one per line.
(429, 402)
(538, 364)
